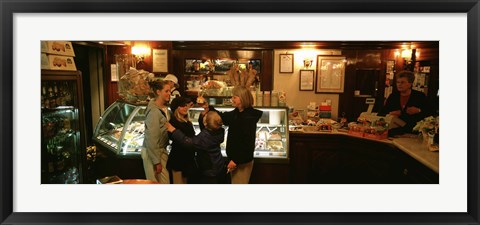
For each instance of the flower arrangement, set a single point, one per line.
(427, 125)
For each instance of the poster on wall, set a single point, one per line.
(160, 60)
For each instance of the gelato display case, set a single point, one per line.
(272, 138)
(121, 127)
(121, 130)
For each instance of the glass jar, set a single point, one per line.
(124, 62)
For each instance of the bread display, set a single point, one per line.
(275, 145)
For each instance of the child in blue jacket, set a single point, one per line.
(207, 144)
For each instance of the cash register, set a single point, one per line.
(393, 121)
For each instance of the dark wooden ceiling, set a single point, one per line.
(259, 45)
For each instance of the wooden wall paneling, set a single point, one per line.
(430, 55)
(178, 69)
(266, 79)
(361, 62)
(369, 59)
(112, 88)
(346, 98)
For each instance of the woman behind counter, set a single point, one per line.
(409, 105)
(242, 123)
(155, 156)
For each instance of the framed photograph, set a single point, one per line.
(330, 74)
(306, 80)
(18, 135)
(286, 63)
(160, 60)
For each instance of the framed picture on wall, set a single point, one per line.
(330, 74)
(306, 80)
(160, 60)
(286, 63)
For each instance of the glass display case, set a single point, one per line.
(121, 130)
(121, 127)
(63, 128)
(272, 136)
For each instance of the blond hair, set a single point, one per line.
(244, 94)
(180, 117)
(212, 121)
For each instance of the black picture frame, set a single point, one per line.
(309, 75)
(286, 63)
(9, 8)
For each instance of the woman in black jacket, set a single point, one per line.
(242, 126)
(181, 159)
(407, 104)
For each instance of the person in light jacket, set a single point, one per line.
(154, 154)
(242, 123)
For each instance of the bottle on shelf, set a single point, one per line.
(44, 96)
(68, 94)
(50, 157)
(60, 96)
(51, 97)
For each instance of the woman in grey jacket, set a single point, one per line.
(154, 154)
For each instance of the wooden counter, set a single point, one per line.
(338, 157)
(412, 146)
(324, 158)
(417, 150)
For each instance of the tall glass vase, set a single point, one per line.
(124, 63)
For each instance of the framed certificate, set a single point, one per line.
(160, 60)
(330, 74)
(306, 80)
(286, 63)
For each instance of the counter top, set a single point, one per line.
(419, 151)
(410, 145)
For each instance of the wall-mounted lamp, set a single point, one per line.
(407, 54)
(140, 53)
(307, 62)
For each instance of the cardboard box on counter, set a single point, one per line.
(58, 48)
(58, 62)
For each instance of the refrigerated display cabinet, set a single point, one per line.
(271, 142)
(272, 137)
(63, 128)
(110, 132)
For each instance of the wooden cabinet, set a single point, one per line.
(413, 172)
(343, 159)
(270, 173)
